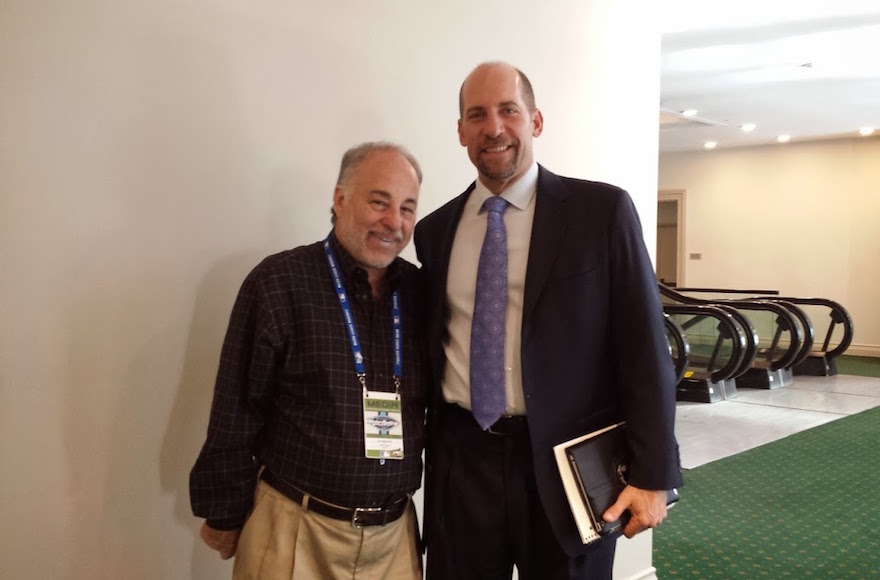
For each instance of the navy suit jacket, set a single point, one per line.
(594, 349)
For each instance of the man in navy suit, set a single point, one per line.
(584, 347)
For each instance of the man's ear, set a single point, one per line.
(537, 123)
(338, 199)
(460, 135)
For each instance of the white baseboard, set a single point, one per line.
(649, 574)
(863, 350)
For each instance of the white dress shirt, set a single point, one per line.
(461, 285)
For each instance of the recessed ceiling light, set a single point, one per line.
(784, 138)
(747, 127)
(710, 144)
(865, 131)
(689, 112)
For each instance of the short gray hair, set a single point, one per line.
(352, 159)
(356, 155)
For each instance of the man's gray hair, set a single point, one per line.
(356, 155)
(352, 159)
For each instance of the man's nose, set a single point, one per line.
(393, 220)
(494, 126)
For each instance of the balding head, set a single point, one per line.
(526, 92)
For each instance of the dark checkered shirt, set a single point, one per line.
(287, 395)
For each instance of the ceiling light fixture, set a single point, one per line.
(689, 112)
(710, 144)
(865, 131)
(784, 138)
(747, 127)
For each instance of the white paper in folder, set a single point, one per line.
(585, 526)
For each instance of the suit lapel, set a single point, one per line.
(548, 230)
(447, 224)
(447, 235)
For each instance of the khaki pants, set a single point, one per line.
(282, 540)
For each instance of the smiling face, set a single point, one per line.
(497, 126)
(376, 209)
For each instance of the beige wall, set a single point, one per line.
(152, 152)
(801, 218)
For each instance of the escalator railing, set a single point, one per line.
(679, 349)
(833, 326)
(717, 345)
(821, 360)
(752, 340)
(781, 336)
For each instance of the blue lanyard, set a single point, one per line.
(352, 330)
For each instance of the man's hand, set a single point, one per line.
(224, 542)
(647, 509)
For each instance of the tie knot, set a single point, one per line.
(495, 203)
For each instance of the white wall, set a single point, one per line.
(152, 152)
(801, 218)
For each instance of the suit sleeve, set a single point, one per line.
(643, 365)
(223, 480)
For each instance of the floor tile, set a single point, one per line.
(790, 398)
(707, 432)
(867, 386)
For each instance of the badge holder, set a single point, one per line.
(383, 423)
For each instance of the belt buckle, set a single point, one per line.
(358, 511)
(492, 431)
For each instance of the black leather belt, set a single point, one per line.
(510, 425)
(359, 517)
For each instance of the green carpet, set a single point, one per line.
(807, 506)
(863, 366)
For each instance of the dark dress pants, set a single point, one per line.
(490, 517)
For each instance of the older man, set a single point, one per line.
(316, 432)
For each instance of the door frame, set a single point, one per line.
(678, 196)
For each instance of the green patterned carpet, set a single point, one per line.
(864, 366)
(807, 506)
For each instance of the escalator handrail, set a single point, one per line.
(681, 347)
(839, 315)
(784, 316)
(751, 334)
(802, 318)
(727, 291)
(738, 339)
(806, 324)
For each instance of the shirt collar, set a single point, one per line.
(520, 193)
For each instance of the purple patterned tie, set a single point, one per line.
(488, 399)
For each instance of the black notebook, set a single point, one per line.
(593, 471)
